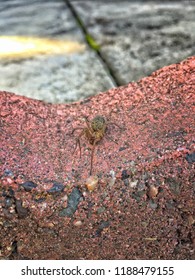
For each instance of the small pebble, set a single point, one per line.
(125, 174)
(28, 186)
(133, 184)
(91, 183)
(9, 248)
(64, 198)
(112, 179)
(152, 192)
(72, 203)
(12, 211)
(50, 225)
(8, 173)
(77, 223)
(84, 194)
(57, 187)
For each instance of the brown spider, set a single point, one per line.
(94, 132)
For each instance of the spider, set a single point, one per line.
(94, 132)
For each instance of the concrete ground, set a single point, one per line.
(62, 51)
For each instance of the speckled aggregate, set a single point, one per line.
(143, 205)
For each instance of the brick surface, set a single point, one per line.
(143, 205)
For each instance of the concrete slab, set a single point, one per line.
(55, 78)
(139, 37)
(61, 70)
(38, 18)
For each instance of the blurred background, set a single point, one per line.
(63, 51)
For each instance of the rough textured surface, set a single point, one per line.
(143, 206)
(55, 78)
(139, 37)
(38, 18)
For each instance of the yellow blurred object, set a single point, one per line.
(22, 47)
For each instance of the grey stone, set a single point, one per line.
(37, 18)
(73, 202)
(55, 78)
(137, 38)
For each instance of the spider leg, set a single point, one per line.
(78, 142)
(88, 125)
(77, 128)
(111, 139)
(92, 156)
(112, 123)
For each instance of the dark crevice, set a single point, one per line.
(90, 41)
